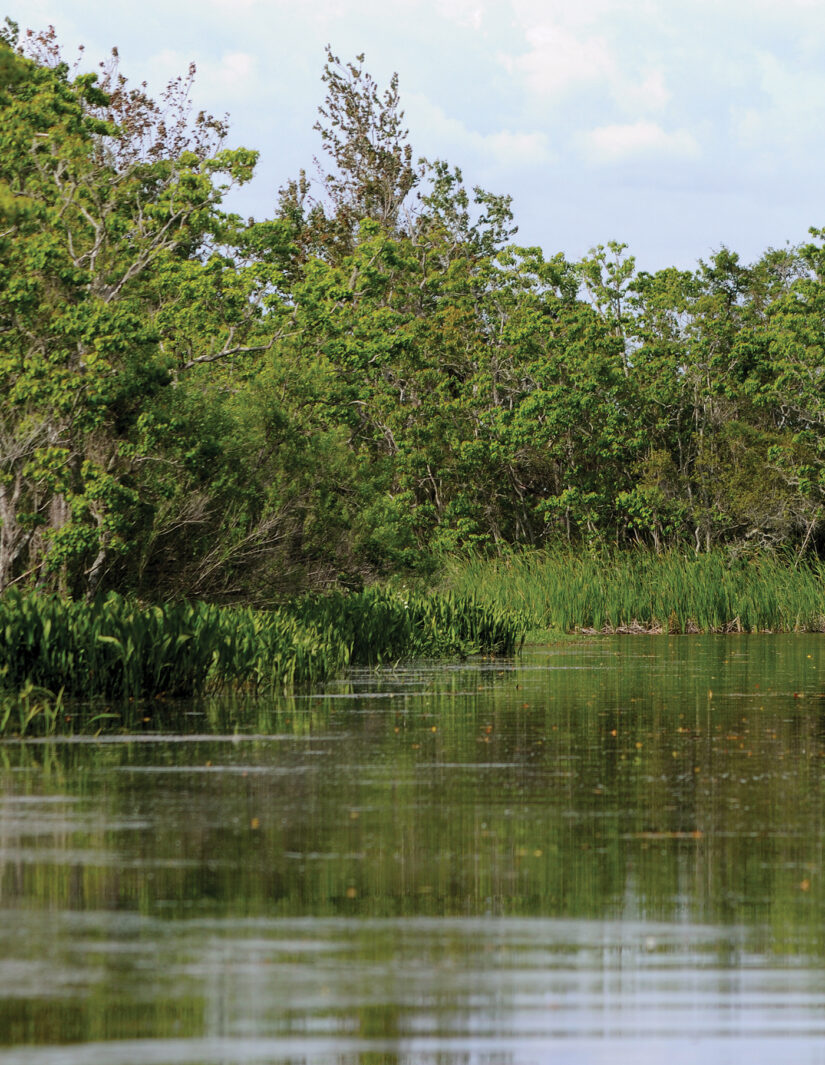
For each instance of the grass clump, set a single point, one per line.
(638, 590)
(118, 649)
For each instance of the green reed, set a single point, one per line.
(118, 649)
(671, 592)
(18, 710)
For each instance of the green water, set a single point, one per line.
(609, 851)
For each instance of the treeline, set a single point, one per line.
(194, 404)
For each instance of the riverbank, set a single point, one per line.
(640, 592)
(53, 649)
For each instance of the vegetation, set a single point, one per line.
(641, 591)
(204, 407)
(116, 649)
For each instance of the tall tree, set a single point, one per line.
(101, 190)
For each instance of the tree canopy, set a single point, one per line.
(198, 404)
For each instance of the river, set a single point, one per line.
(610, 850)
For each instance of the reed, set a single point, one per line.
(626, 591)
(18, 710)
(117, 649)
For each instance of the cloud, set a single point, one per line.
(235, 6)
(448, 135)
(691, 103)
(558, 60)
(224, 79)
(649, 94)
(469, 13)
(507, 147)
(595, 47)
(619, 143)
(783, 118)
(235, 71)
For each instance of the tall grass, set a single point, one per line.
(119, 649)
(571, 592)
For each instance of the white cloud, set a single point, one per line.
(221, 80)
(450, 137)
(235, 71)
(558, 60)
(591, 44)
(649, 94)
(544, 97)
(622, 142)
(785, 119)
(235, 6)
(581, 13)
(468, 13)
(520, 149)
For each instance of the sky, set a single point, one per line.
(675, 126)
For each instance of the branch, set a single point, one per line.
(225, 352)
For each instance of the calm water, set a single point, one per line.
(609, 851)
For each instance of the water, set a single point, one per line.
(607, 851)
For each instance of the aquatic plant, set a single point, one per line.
(19, 709)
(116, 648)
(670, 592)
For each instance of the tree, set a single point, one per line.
(101, 190)
(368, 171)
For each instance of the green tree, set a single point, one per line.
(102, 190)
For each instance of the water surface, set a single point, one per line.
(606, 851)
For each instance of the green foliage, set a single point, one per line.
(117, 649)
(30, 707)
(198, 406)
(640, 590)
(106, 193)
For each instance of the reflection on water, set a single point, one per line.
(608, 851)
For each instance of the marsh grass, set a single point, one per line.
(640, 591)
(30, 705)
(116, 649)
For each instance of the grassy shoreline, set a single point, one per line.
(53, 649)
(640, 592)
(116, 650)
